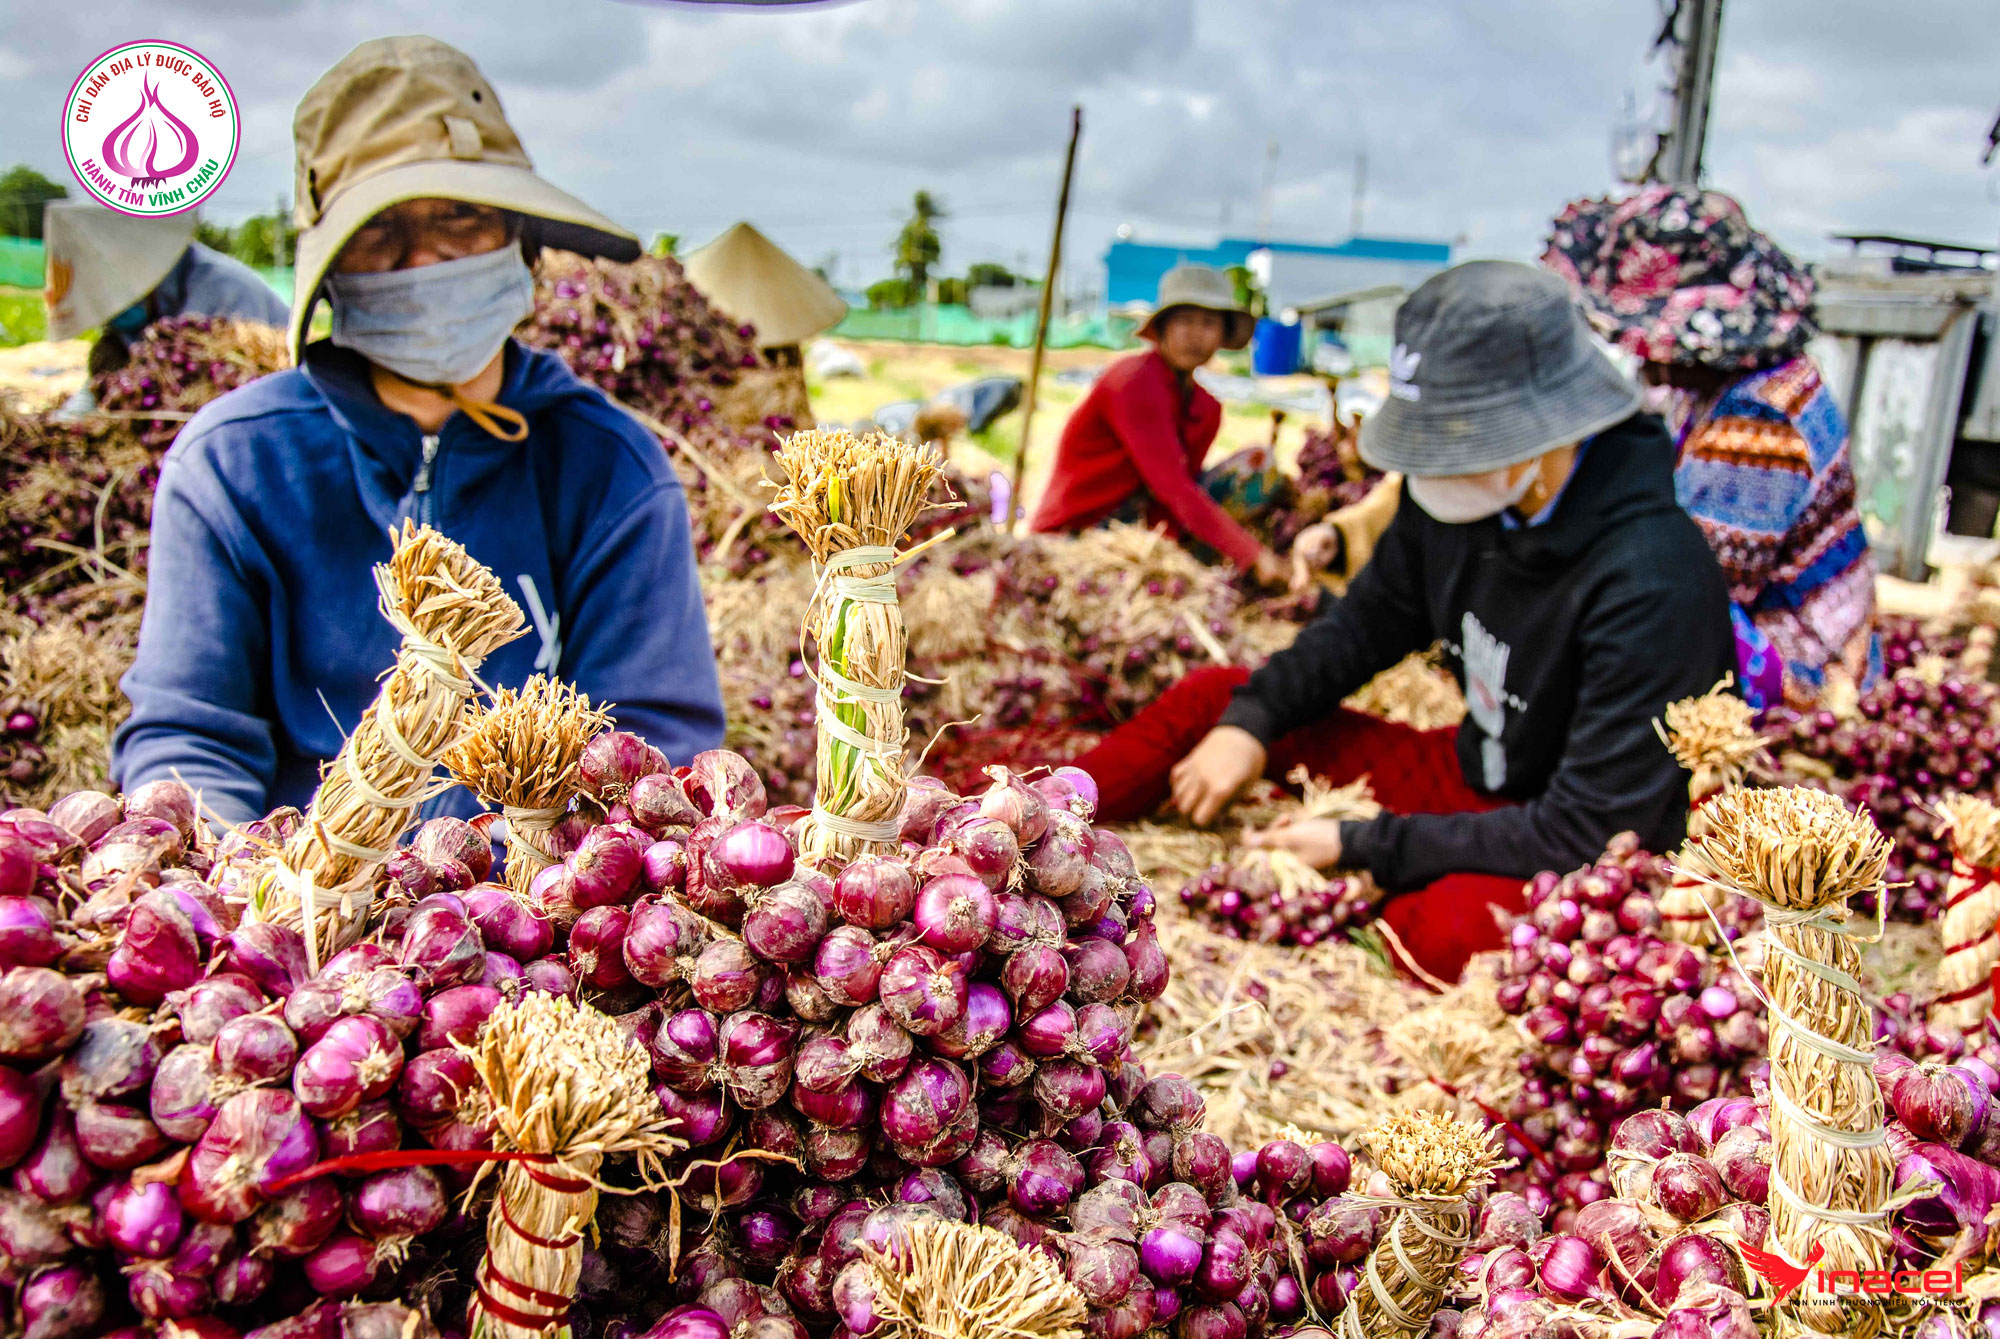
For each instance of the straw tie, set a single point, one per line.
(449, 613)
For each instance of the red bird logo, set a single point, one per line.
(1779, 1272)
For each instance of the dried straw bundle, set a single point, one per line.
(452, 613)
(521, 753)
(1713, 737)
(564, 1082)
(851, 499)
(1803, 854)
(1434, 1163)
(951, 1280)
(1971, 909)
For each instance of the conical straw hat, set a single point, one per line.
(750, 277)
(101, 261)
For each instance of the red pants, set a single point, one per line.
(1412, 772)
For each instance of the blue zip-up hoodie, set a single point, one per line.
(261, 644)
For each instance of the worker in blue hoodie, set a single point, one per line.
(261, 644)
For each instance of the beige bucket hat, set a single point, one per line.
(751, 278)
(98, 261)
(402, 118)
(1208, 288)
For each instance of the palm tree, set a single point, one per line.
(918, 246)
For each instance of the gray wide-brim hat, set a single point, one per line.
(1207, 288)
(1493, 365)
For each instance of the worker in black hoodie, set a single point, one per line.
(1539, 541)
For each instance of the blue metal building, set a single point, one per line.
(1300, 272)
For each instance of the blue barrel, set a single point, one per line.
(1274, 348)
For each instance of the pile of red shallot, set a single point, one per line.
(169, 1069)
(1945, 1130)
(1331, 475)
(1687, 1187)
(1902, 1028)
(945, 1031)
(1245, 899)
(642, 334)
(1658, 1251)
(1910, 743)
(70, 484)
(1620, 1018)
(942, 1030)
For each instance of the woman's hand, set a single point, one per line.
(1271, 571)
(1313, 840)
(1225, 761)
(1313, 552)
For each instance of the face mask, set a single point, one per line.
(1657, 399)
(1460, 499)
(436, 325)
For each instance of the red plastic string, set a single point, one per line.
(562, 1185)
(1986, 938)
(1977, 879)
(1977, 988)
(546, 1243)
(407, 1157)
(493, 1306)
(522, 1290)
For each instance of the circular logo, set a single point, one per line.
(150, 128)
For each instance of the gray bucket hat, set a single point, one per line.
(1205, 287)
(1493, 365)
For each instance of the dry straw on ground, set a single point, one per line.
(1804, 856)
(1415, 692)
(1715, 738)
(852, 499)
(1434, 1163)
(452, 613)
(1322, 1041)
(521, 753)
(1971, 909)
(947, 1280)
(66, 670)
(565, 1082)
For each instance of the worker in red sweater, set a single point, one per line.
(1133, 450)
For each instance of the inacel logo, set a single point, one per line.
(1827, 1285)
(1781, 1274)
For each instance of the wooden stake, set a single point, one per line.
(1042, 316)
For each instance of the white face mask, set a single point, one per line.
(1460, 499)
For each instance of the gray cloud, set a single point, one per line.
(1479, 118)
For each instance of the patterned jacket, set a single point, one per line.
(1765, 473)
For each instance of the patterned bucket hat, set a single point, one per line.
(1680, 276)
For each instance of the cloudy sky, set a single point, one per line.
(1478, 118)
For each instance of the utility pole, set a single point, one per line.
(1360, 191)
(1698, 28)
(1042, 316)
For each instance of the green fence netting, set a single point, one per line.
(20, 263)
(942, 323)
